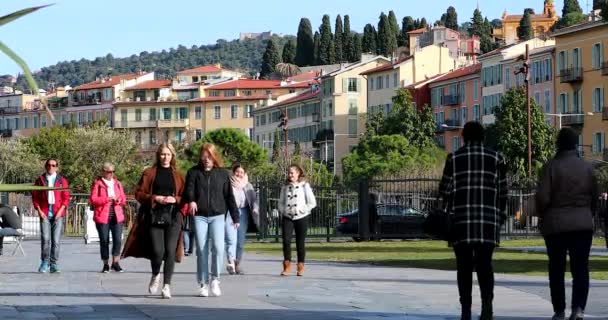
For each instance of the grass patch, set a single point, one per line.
(429, 255)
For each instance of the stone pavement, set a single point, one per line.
(327, 291)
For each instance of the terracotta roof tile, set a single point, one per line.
(202, 69)
(114, 80)
(151, 84)
(418, 31)
(256, 84)
(476, 68)
(385, 67)
(235, 98)
(301, 97)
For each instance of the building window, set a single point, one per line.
(577, 101)
(563, 103)
(248, 110)
(234, 110)
(137, 115)
(371, 84)
(229, 93)
(198, 112)
(352, 85)
(547, 101)
(166, 114)
(182, 113)
(379, 83)
(507, 78)
(352, 127)
(455, 144)
(246, 93)
(26, 124)
(152, 137)
(596, 56)
(598, 142)
(462, 92)
(352, 107)
(152, 116)
(598, 99)
(463, 116)
(138, 138)
(123, 118)
(214, 93)
(387, 81)
(537, 98)
(217, 112)
(395, 80)
(476, 115)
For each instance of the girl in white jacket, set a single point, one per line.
(295, 204)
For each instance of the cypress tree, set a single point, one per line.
(356, 40)
(270, 59)
(387, 42)
(326, 47)
(339, 40)
(289, 52)
(368, 42)
(524, 31)
(477, 28)
(451, 19)
(347, 41)
(305, 44)
(392, 21)
(423, 23)
(317, 44)
(407, 25)
(571, 14)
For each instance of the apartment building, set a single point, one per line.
(462, 48)
(581, 79)
(455, 99)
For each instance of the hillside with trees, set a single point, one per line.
(325, 44)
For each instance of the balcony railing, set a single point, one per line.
(573, 120)
(324, 135)
(6, 133)
(571, 75)
(453, 124)
(9, 110)
(175, 123)
(450, 99)
(605, 68)
(440, 128)
(136, 124)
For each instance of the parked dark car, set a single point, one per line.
(395, 221)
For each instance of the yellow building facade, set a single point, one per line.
(581, 80)
(541, 23)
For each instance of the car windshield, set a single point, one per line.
(397, 210)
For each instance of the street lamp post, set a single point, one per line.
(525, 70)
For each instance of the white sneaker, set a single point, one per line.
(154, 284)
(166, 292)
(204, 290)
(215, 288)
(231, 268)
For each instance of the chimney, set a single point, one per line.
(218, 65)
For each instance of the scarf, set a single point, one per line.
(239, 183)
(50, 182)
(110, 185)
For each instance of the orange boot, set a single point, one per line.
(300, 269)
(286, 268)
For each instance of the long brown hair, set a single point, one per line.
(214, 153)
(301, 176)
(171, 149)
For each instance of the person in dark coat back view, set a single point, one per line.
(8, 219)
(474, 185)
(566, 199)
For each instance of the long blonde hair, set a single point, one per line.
(171, 149)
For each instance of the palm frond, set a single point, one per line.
(18, 14)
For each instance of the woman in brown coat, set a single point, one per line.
(160, 185)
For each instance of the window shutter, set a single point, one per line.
(358, 85)
(579, 107)
(344, 85)
(595, 102)
(594, 56)
(602, 143)
(601, 102)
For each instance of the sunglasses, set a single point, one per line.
(108, 171)
(52, 165)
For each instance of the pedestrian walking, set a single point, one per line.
(474, 186)
(567, 197)
(157, 232)
(210, 196)
(296, 202)
(108, 198)
(248, 204)
(51, 206)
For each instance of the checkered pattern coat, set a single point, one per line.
(475, 187)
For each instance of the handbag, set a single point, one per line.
(162, 215)
(438, 224)
(188, 223)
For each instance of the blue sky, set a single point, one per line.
(74, 29)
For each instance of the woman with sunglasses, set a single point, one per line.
(108, 198)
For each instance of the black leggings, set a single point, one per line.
(300, 227)
(476, 257)
(164, 246)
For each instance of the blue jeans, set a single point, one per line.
(50, 234)
(209, 233)
(235, 239)
(189, 241)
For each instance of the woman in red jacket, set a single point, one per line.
(108, 198)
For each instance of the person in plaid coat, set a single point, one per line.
(474, 186)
